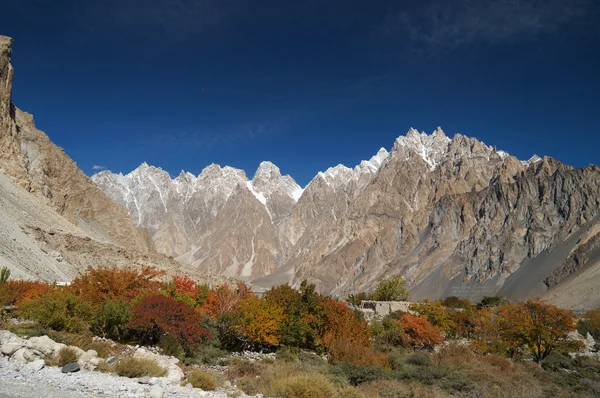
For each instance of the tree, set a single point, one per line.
(391, 289)
(156, 316)
(58, 309)
(99, 284)
(590, 323)
(419, 332)
(436, 314)
(491, 301)
(112, 318)
(260, 321)
(541, 327)
(4, 275)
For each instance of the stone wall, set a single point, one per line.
(372, 310)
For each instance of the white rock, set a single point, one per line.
(36, 365)
(44, 344)
(9, 349)
(156, 392)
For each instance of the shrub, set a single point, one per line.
(306, 386)
(202, 380)
(260, 321)
(100, 284)
(111, 318)
(590, 323)
(419, 359)
(397, 389)
(344, 351)
(555, 362)
(356, 375)
(419, 332)
(64, 356)
(391, 289)
(86, 341)
(16, 291)
(237, 368)
(138, 367)
(350, 392)
(208, 354)
(59, 309)
(157, 315)
(169, 345)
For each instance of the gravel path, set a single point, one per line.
(21, 381)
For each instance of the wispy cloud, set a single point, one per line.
(98, 167)
(161, 21)
(441, 26)
(208, 139)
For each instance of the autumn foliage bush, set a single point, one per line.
(419, 331)
(17, 291)
(157, 315)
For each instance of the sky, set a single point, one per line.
(309, 84)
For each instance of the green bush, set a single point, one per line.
(170, 345)
(555, 362)
(209, 354)
(419, 359)
(356, 375)
(110, 320)
(60, 309)
(202, 380)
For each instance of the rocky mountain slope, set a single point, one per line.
(452, 215)
(54, 221)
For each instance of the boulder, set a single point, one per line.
(35, 366)
(70, 367)
(43, 344)
(88, 360)
(9, 349)
(11, 345)
(156, 392)
(20, 356)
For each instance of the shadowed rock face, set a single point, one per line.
(44, 171)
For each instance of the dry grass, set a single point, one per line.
(397, 389)
(64, 356)
(304, 386)
(138, 367)
(202, 380)
(86, 342)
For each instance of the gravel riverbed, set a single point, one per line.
(27, 381)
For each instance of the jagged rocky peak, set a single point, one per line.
(268, 181)
(431, 148)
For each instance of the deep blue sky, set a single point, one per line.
(308, 84)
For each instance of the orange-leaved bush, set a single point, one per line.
(538, 326)
(157, 315)
(260, 321)
(419, 331)
(100, 284)
(17, 291)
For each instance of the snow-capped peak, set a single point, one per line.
(430, 148)
(268, 180)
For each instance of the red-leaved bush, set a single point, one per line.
(157, 315)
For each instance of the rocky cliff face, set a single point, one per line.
(42, 168)
(54, 221)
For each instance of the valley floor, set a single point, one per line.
(21, 381)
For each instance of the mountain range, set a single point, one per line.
(453, 216)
